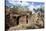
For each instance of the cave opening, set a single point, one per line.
(27, 19)
(18, 20)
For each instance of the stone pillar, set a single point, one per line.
(29, 20)
(22, 20)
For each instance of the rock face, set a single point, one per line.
(34, 22)
(23, 20)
